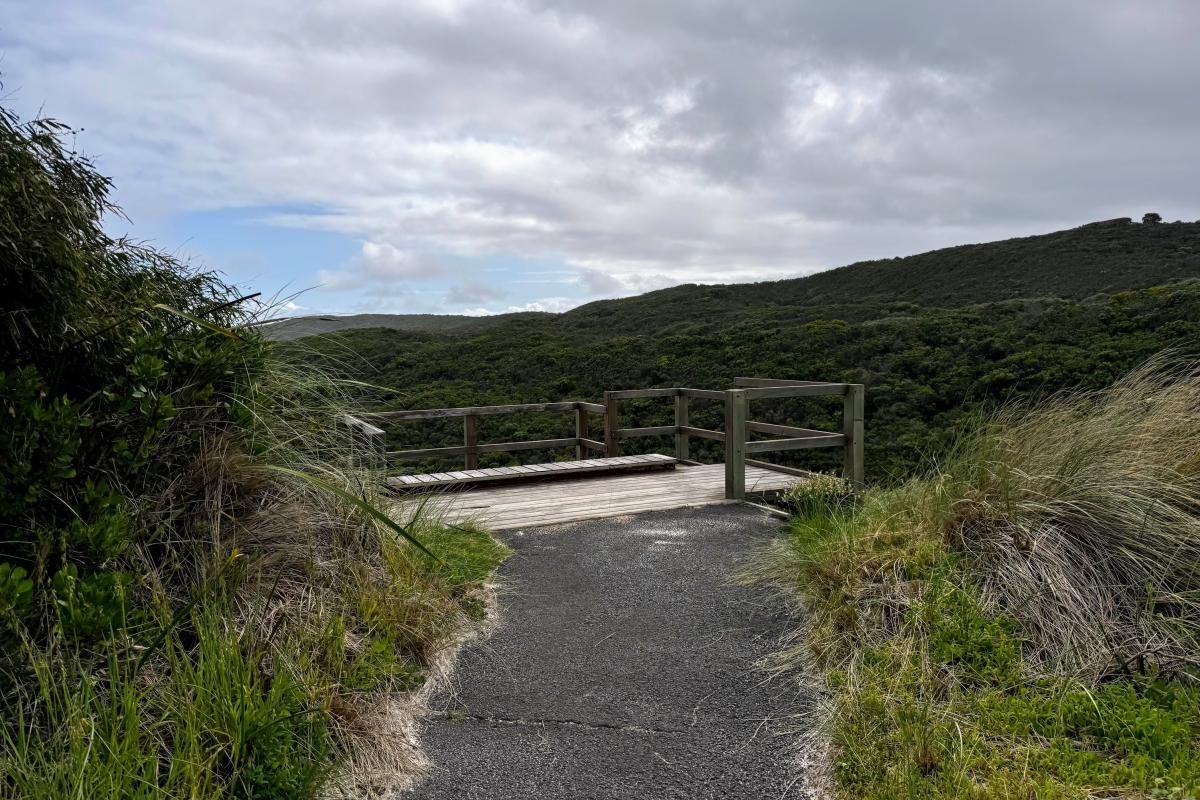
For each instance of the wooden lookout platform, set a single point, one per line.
(610, 483)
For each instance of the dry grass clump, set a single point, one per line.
(1024, 622)
(1082, 520)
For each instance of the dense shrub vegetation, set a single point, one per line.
(1024, 622)
(927, 371)
(178, 616)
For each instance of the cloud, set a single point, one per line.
(469, 293)
(381, 264)
(637, 144)
(551, 304)
(598, 282)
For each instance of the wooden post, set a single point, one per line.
(852, 427)
(471, 441)
(610, 426)
(681, 419)
(581, 432)
(735, 444)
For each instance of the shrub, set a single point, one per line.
(820, 494)
(186, 609)
(1024, 621)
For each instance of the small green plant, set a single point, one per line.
(820, 494)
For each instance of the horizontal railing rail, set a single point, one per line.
(735, 436)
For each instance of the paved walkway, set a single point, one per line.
(622, 669)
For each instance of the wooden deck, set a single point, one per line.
(554, 469)
(507, 507)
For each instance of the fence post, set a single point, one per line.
(852, 428)
(681, 419)
(471, 441)
(581, 431)
(735, 444)
(611, 448)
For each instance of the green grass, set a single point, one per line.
(202, 593)
(1023, 622)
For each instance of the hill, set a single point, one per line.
(1098, 258)
(299, 327)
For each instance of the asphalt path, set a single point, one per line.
(623, 667)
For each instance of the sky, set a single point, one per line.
(465, 157)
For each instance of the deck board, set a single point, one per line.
(507, 507)
(439, 480)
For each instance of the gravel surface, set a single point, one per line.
(622, 668)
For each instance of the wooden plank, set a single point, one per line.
(704, 433)
(591, 408)
(631, 394)
(428, 452)
(735, 444)
(471, 441)
(592, 444)
(703, 394)
(799, 443)
(538, 444)
(784, 430)
(767, 465)
(681, 420)
(811, 390)
(852, 431)
(554, 469)
(611, 423)
(765, 382)
(581, 430)
(439, 413)
(657, 430)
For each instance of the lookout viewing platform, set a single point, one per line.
(602, 481)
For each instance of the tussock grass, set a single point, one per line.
(199, 597)
(1022, 622)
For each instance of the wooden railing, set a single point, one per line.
(735, 436)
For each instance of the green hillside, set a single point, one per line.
(298, 327)
(926, 371)
(1101, 257)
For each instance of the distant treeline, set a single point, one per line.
(928, 370)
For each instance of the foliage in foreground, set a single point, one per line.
(178, 617)
(1023, 623)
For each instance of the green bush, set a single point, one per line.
(180, 616)
(820, 494)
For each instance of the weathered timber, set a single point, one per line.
(681, 421)
(581, 430)
(852, 430)
(735, 444)
(786, 470)
(767, 382)
(799, 443)
(471, 441)
(611, 423)
(657, 430)
(811, 390)
(704, 433)
(439, 413)
(783, 430)
(631, 394)
(704, 394)
(530, 472)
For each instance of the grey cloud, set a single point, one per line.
(638, 142)
(474, 294)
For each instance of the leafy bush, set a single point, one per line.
(186, 609)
